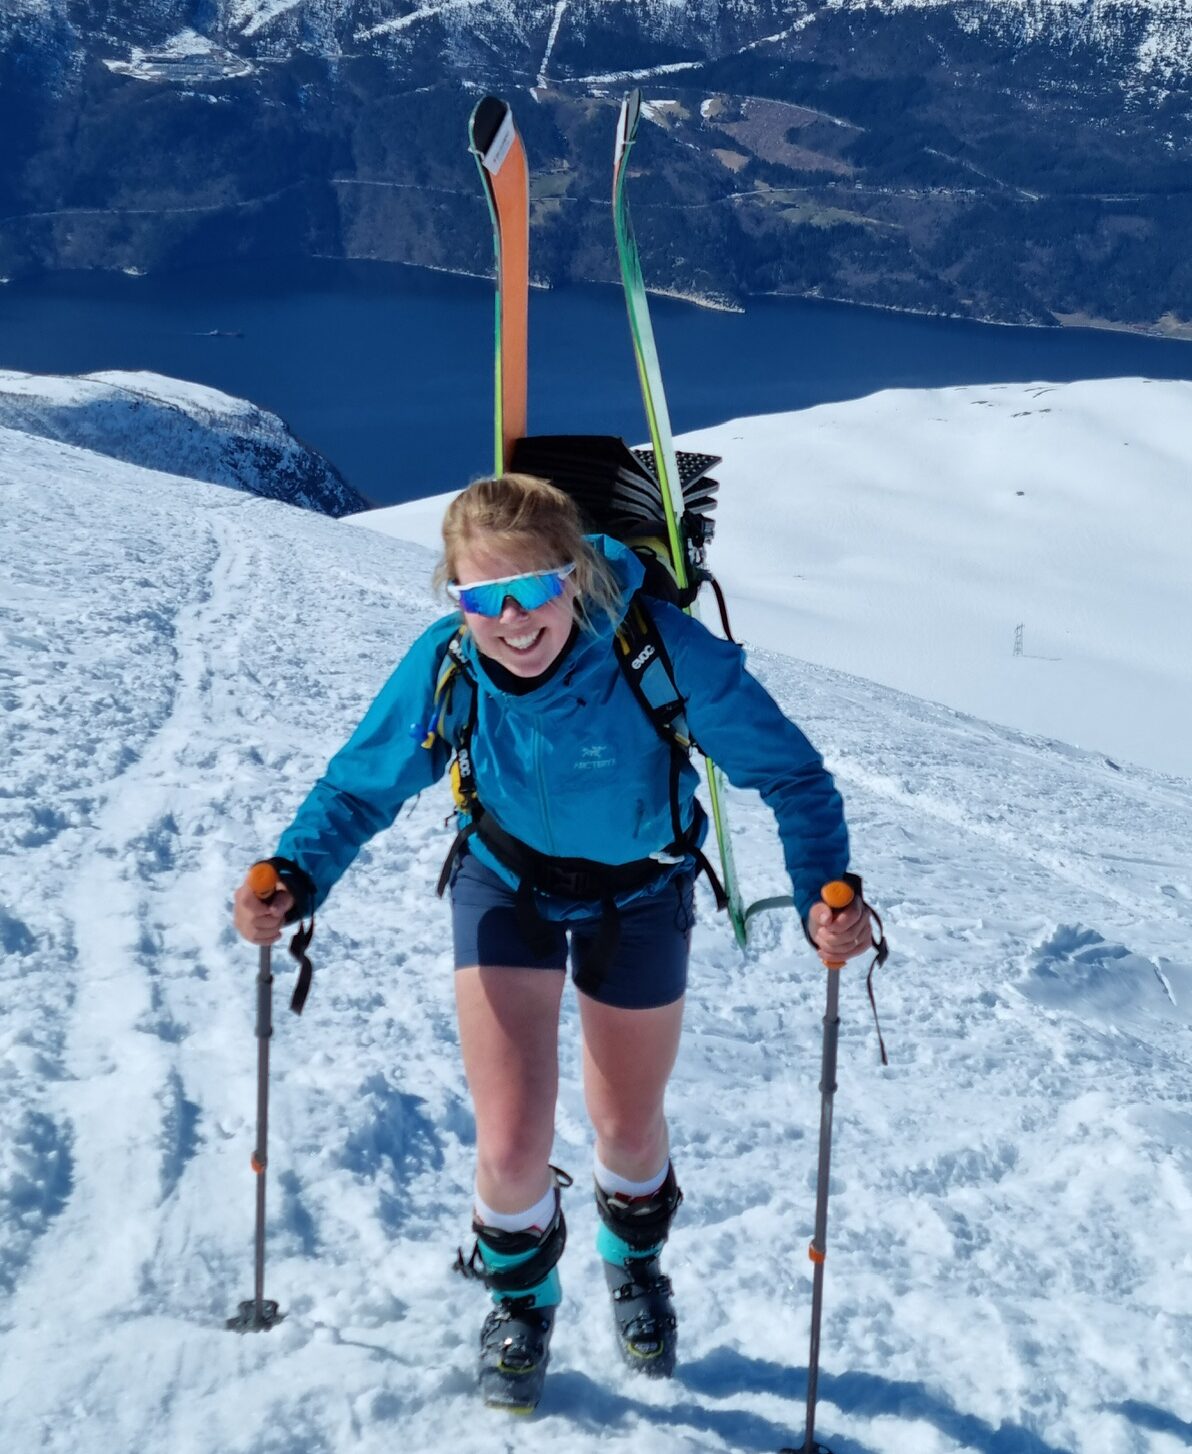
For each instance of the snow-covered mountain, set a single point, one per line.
(1008, 1230)
(1019, 159)
(1140, 34)
(178, 428)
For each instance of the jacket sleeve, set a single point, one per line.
(376, 771)
(741, 727)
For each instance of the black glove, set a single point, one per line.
(298, 884)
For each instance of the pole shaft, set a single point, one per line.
(820, 1240)
(260, 1156)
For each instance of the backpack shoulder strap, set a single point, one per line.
(457, 734)
(452, 668)
(646, 666)
(455, 669)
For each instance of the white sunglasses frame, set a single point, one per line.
(456, 588)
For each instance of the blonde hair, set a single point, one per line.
(535, 522)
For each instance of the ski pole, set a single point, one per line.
(837, 895)
(258, 1313)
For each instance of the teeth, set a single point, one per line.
(520, 643)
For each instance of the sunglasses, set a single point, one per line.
(487, 598)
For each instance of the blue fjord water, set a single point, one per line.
(388, 370)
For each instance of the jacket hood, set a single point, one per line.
(629, 573)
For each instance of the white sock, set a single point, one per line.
(610, 1182)
(538, 1216)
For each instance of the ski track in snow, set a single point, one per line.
(1009, 1267)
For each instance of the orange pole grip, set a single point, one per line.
(263, 880)
(837, 895)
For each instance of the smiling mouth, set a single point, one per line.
(524, 643)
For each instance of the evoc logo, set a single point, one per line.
(465, 763)
(642, 657)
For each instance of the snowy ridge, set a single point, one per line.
(1157, 31)
(182, 428)
(1160, 31)
(1163, 27)
(1008, 1238)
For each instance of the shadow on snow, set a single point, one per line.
(595, 1408)
(724, 1373)
(1146, 1416)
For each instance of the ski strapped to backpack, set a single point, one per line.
(643, 659)
(494, 141)
(666, 465)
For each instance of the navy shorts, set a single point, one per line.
(649, 966)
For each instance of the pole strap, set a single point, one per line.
(880, 945)
(301, 888)
(298, 947)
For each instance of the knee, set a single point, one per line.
(512, 1156)
(631, 1140)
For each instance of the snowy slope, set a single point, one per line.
(1009, 1267)
(174, 425)
(904, 537)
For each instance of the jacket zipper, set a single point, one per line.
(543, 798)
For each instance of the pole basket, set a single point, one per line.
(254, 1317)
(816, 1448)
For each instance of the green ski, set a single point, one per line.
(665, 463)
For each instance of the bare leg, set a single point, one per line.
(509, 1034)
(628, 1058)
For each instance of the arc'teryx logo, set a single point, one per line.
(595, 758)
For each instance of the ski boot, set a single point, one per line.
(647, 1329)
(630, 1240)
(514, 1352)
(518, 1269)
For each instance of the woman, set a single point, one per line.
(575, 827)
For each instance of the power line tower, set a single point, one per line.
(1018, 630)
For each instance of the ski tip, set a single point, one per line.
(631, 110)
(488, 116)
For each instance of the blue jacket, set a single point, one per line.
(575, 768)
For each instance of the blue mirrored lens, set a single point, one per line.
(529, 592)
